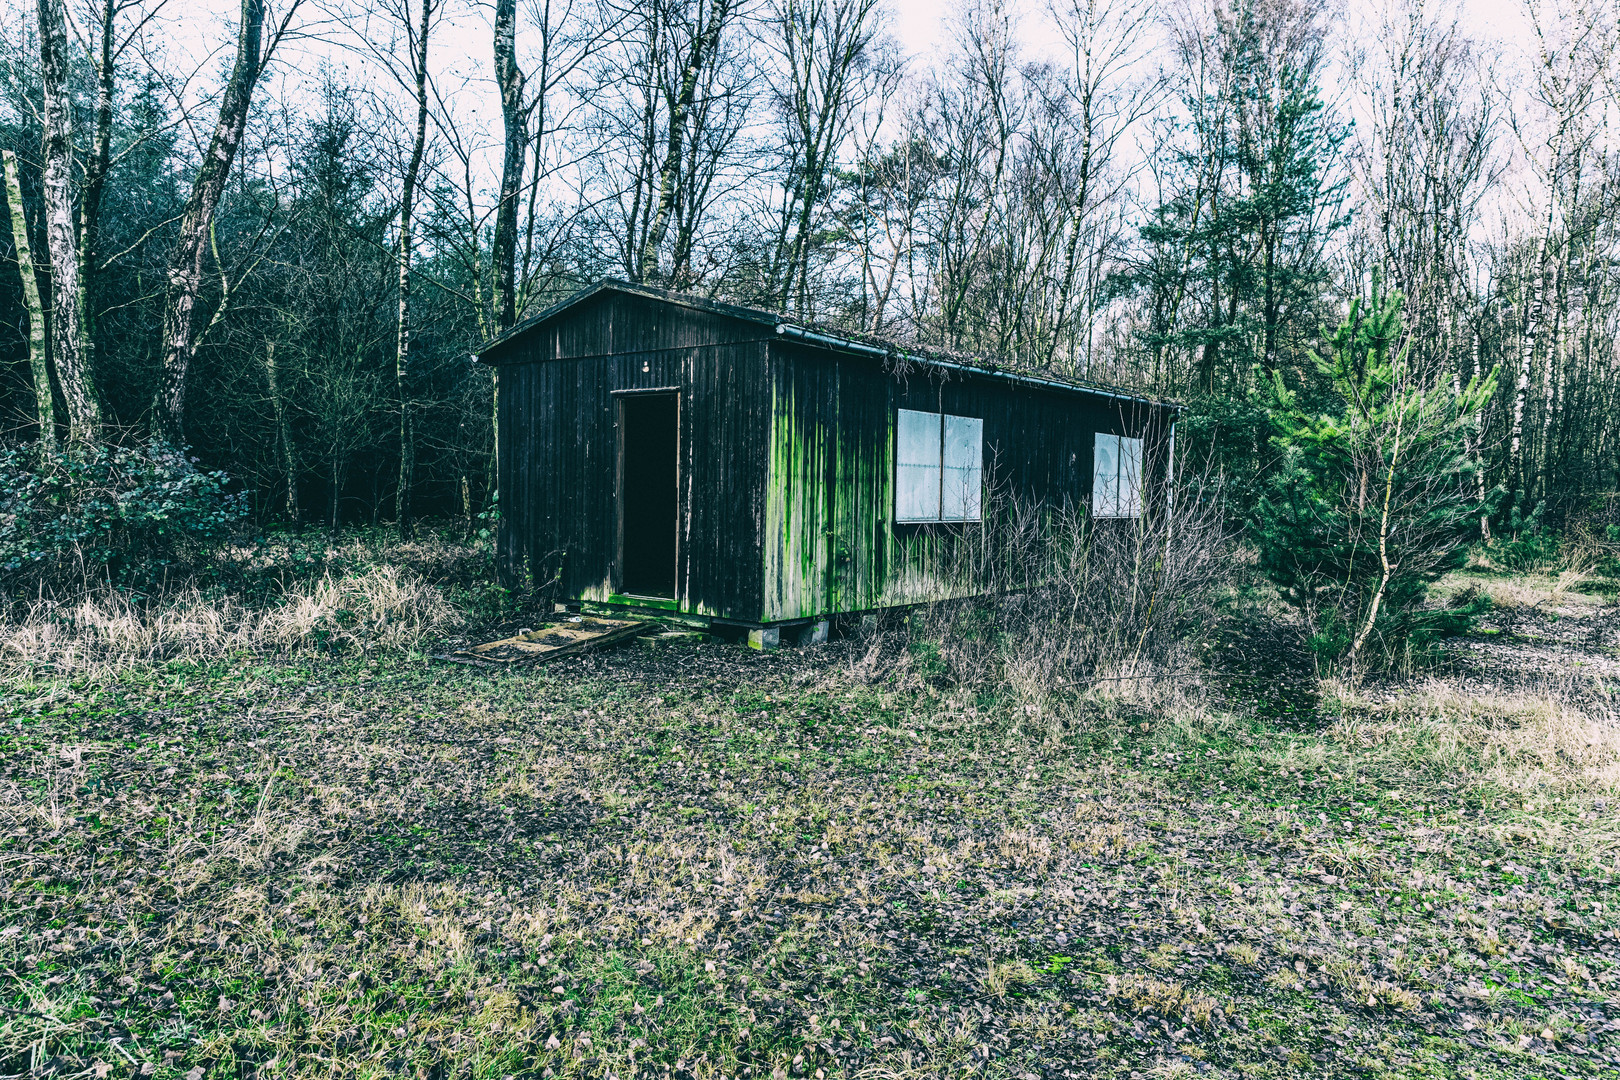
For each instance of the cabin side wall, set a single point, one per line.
(559, 447)
(831, 542)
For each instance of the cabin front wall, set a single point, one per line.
(831, 544)
(559, 446)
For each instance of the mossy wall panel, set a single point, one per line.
(831, 542)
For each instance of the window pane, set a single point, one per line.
(1105, 476)
(1130, 477)
(916, 474)
(964, 468)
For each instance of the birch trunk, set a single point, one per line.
(61, 234)
(185, 274)
(704, 45)
(38, 363)
(402, 344)
(96, 168)
(1473, 452)
(1549, 375)
(1521, 386)
(516, 132)
(289, 465)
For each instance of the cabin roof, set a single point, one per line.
(825, 336)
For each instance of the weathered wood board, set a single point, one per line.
(568, 637)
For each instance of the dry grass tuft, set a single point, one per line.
(1516, 741)
(380, 607)
(1058, 612)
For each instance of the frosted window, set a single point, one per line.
(1105, 477)
(1116, 480)
(964, 468)
(916, 481)
(939, 467)
(1130, 477)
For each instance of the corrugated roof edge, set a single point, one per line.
(827, 336)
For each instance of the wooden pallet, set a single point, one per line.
(569, 636)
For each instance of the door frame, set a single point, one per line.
(619, 398)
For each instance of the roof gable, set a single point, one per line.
(648, 292)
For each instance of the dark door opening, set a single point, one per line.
(649, 442)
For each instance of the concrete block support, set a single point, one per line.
(764, 639)
(814, 634)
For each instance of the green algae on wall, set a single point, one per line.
(831, 545)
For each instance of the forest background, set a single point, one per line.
(274, 234)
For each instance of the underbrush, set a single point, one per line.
(286, 593)
(1584, 555)
(1057, 603)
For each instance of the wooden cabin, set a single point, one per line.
(663, 452)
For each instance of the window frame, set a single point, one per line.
(1120, 510)
(973, 503)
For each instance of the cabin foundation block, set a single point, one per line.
(813, 634)
(765, 638)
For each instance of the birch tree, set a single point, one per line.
(38, 360)
(106, 43)
(667, 103)
(538, 100)
(186, 262)
(67, 336)
(514, 130)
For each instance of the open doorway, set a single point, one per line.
(649, 483)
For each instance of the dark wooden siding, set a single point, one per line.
(559, 448)
(831, 542)
(786, 457)
(612, 323)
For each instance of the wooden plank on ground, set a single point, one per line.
(571, 637)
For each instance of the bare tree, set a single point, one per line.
(1107, 100)
(701, 49)
(536, 105)
(417, 39)
(826, 66)
(973, 117)
(667, 104)
(1425, 166)
(185, 273)
(105, 46)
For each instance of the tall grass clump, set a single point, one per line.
(1053, 602)
(360, 611)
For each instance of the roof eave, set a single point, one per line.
(784, 327)
(863, 348)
